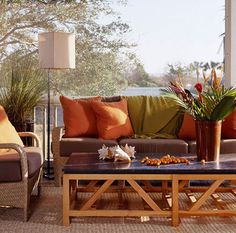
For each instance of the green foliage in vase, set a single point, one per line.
(212, 102)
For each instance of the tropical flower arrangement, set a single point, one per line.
(212, 101)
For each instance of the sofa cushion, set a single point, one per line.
(10, 166)
(78, 116)
(112, 119)
(228, 129)
(188, 129)
(157, 145)
(70, 145)
(226, 146)
(8, 133)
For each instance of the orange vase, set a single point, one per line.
(208, 135)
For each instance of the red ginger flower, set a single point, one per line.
(198, 87)
(200, 97)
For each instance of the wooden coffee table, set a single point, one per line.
(87, 166)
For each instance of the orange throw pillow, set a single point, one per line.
(188, 129)
(8, 133)
(79, 117)
(229, 126)
(112, 119)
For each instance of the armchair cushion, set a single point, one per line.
(8, 133)
(10, 166)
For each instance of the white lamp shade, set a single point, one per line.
(56, 50)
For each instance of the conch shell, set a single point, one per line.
(120, 155)
(130, 150)
(123, 153)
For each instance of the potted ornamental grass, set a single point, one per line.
(21, 89)
(211, 103)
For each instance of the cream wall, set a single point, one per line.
(230, 42)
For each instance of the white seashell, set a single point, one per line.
(112, 150)
(103, 152)
(121, 155)
(130, 150)
(117, 153)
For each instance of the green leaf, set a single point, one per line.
(224, 108)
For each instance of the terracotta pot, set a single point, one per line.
(208, 135)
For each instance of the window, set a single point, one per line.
(174, 38)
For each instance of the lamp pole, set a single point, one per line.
(56, 51)
(48, 174)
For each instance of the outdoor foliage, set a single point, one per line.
(189, 73)
(100, 43)
(138, 77)
(105, 61)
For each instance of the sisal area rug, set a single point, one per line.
(46, 216)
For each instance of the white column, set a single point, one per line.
(230, 43)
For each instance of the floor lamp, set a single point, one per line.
(56, 51)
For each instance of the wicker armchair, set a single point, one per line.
(17, 193)
(58, 160)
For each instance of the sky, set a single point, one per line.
(173, 31)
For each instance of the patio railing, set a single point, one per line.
(40, 122)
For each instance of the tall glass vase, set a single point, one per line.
(208, 136)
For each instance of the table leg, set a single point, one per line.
(121, 185)
(166, 197)
(175, 201)
(66, 201)
(164, 187)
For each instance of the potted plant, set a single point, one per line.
(211, 103)
(22, 88)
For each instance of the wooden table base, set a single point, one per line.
(69, 196)
(210, 192)
(170, 195)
